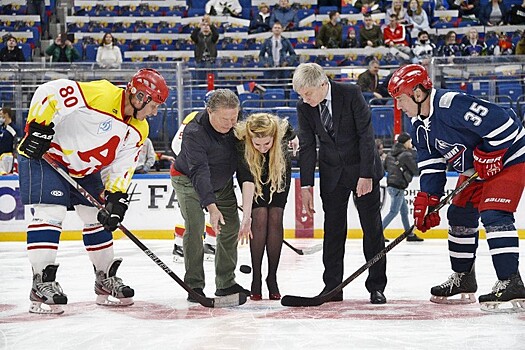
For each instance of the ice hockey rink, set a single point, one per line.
(161, 318)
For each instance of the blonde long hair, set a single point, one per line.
(261, 125)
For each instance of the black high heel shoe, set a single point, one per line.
(255, 292)
(273, 290)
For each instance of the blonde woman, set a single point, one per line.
(264, 174)
(397, 8)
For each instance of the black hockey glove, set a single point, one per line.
(37, 140)
(113, 213)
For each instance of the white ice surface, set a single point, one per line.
(161, 318)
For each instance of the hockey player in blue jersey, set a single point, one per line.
(471, 135)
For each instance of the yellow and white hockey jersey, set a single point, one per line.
(91, 132)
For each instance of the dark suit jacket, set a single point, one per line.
(352, 155)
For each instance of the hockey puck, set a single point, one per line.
(245, 269)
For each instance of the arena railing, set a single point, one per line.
(489, 75)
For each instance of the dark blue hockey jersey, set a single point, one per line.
(457, 124)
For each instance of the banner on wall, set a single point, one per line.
(154, 207)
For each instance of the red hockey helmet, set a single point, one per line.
(150, 83)
(407, 78)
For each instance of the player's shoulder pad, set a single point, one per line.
(445, 100)
(189, 117)
(142, 127)
(103, 96)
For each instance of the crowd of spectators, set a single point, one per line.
(399, 35)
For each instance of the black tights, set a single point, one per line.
(267, 230)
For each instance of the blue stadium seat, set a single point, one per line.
(249, 96)
(511, 89)
(155, 126)
(196, 12)
(383, 121)
(324, 10)
(27, 51)
(91, 52)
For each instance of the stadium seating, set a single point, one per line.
(383, 121)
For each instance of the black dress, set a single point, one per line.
(243, 174)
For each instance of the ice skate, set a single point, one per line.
(178, 254)
(463, 283)
(46, 294)
(209, 252)
(108, 285)
(504, 292)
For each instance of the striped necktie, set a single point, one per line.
(326, 119)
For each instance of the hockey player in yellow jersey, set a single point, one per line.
(95, 130)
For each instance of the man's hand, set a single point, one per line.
(216, 218)
(37, 141)
(308, 201)
(113, 213)
(488, 164)
(422, 220)
(294, 145)
(364, 186)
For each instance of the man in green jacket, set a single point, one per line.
(62, 50)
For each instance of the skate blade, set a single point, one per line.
(107, 300)
(516, 305)
(178, 259)
(466, 298)
(37, 307)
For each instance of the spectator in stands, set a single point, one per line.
(277, 51)
(108, 54)
(472, 45)
(62, 50)
(494, 13)
(520, 46)
(424, 49)
(148, 157)
(351, 40)
(205, 37)
(450, 48)
(370, 34)
(503, 46)
(11, 52)
(261, 22)
(331, 33)
(370, 6)
(441, 5)
(417, 18)
(38, 7)
(369, 79)
(516, 14)
(399, 10)
(8, 138)
(285, 15)
(468, 9)
(396, 39)
(223, 8)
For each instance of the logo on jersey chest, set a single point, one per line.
(453, 153)
(105, 126)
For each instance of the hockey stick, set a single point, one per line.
(290, 300)
(306, 251)
(227, 301)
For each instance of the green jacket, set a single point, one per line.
(54, 51)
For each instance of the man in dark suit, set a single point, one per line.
(348, 162)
